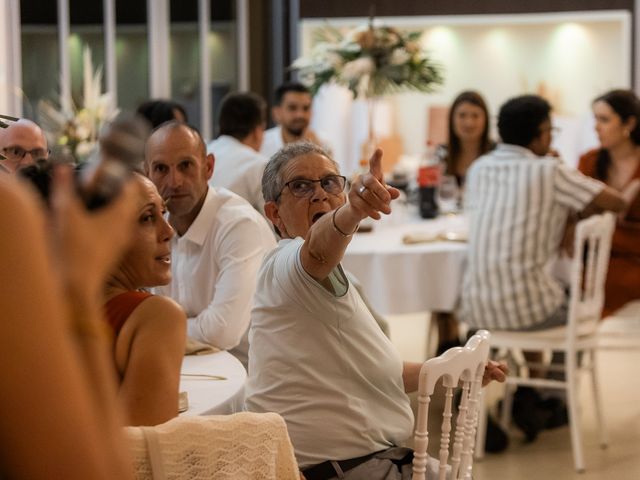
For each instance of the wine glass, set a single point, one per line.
(448, 194)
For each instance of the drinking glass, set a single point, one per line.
(448, 194)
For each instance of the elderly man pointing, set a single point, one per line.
(317, 356)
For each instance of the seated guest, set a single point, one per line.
(149, 330)
(59, 416)
(468, 134)
(239, 166)
(292, 113)
(468, 139)
(21, 144)
(220, 240)
(316, 355)
(617, 163)
(159, 111)
(519, 200)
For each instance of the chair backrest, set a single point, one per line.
(463, 365)
(592, 247)
(243, 445)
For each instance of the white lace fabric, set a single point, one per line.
(241, 446)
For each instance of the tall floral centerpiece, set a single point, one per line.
(77, 129)
(371, 61)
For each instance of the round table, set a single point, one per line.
(399, 278)
(208, 395)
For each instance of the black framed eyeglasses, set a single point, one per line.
(19, 153)
(302, 187)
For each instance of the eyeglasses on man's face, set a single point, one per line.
(18, 153)
(302, 187)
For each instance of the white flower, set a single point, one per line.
(334, 59)
(399, 56)
(357, 68)
(84, 149)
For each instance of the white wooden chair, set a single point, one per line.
(463, 365)
(589, 265)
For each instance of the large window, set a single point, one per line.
(190, 41)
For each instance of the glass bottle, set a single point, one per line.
(429, 173)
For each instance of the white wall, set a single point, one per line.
(568, 58)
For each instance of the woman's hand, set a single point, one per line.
(87, 245)
(369, 195)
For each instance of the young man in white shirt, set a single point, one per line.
(239, 165)
(220, 239)
(292, 113)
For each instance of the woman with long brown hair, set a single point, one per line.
(617, 163)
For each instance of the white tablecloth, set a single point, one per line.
(213, 397)
(399, 278)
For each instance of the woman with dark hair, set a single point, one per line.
(148, 330)
(468, 140)
(468, 134)
(617, 163)
(159, 111)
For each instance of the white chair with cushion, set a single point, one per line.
(464, 365)
(577, 340)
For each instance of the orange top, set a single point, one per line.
(623, 278)
(120, 307)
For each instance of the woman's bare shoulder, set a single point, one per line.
(159, 310)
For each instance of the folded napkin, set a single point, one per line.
(429, 237)
(183, 402)
(194, 347)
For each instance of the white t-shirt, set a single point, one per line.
(518, 204)
(323, 363)
(272, 142)
(238, 168)
(214, 266)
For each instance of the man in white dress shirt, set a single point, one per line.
(220, 239)
(292, 113)
(239, 165)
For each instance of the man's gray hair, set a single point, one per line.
(272, 181)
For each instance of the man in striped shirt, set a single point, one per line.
(519, 199)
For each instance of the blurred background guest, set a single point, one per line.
(238, 163)
(149, 330)
(21, 144)
(617, 163)
(59, 414)
(159, 111)
(468, 134)
(292, 113)
(468, 139)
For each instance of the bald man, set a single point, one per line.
(21, 144)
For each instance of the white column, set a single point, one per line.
(111, 72)
(204, 14)
(63, 46)
(242, 9)
(10, 58)
(635, 64)
(159, 73)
